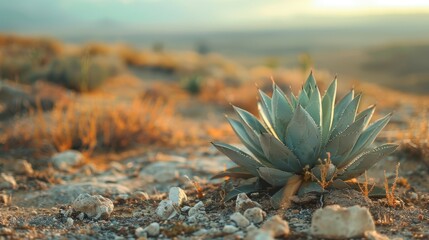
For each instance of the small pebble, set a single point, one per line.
(240, 220)
(255, 215)
(153, 229)
(69, 222)
(229, 229)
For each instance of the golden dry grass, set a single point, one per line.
(89, 128)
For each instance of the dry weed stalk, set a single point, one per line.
(88, 127)
(390, 192)
(365, 187)
(324, 173)
(415, 140)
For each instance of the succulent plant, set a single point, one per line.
(303, 143)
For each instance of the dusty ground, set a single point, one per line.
(37, 207)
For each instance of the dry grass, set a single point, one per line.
(415, 139)
(365, 187)
(89, 128)
(390, 191)
(324, 181)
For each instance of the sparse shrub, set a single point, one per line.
(304, 143)
(414, 141)
(95, 49)
(82, 73)
(390, 191)
(193, 84)
(305, 62)
(90, 128)
(20, 57)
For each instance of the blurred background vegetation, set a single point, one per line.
(195, 57)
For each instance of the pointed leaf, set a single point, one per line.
(341, 145)
(314, 107)
(250, 120)
(310, 85)
(366, 161)
(274, 176)
(304, 137)
(282, 112)
(368, 135)
(310, 187)
(250, 142)
(293, 99)
(251, 188)
(234, 172)
(239, 157)
(303, 98)
(341, 106)
(328, 103)
(347, 117)
(367, 112)
(266, 118)
(280, 155)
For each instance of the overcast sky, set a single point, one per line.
(189, 15)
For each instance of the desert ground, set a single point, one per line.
(134, 126)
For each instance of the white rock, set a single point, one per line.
(339, 223)
(140, 232)
(153, 229)
(23, 167)
(69, 222)
(7, 181)
(67, 159)
(239, 219)
(255, 215)
(277, 226)
(196, 209)
(185, 208)
(251, 227)
(81, 216)
(373, 235)
(166, 209)
(243, 203)
(95, 206)
(200, 232)
(177, 196)
(229, 229)
(259, 234)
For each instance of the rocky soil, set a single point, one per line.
(166, 195)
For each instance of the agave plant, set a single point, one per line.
(303, 143)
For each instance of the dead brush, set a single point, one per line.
(365, 187)
(390, 191)
(89, 128)
(415, 139)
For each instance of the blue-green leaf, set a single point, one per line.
(280, 155)
(282, 112)
(341, 144)
(234, 172)
(314, 107)
(368, 135)
(303, 137)
(310, 85)
(341, 106)
(366, 161)
(303, 98)
(251, 141)
(366, 113)
(328, 107)
(239, 157)
(273, 176)
(347, 117)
